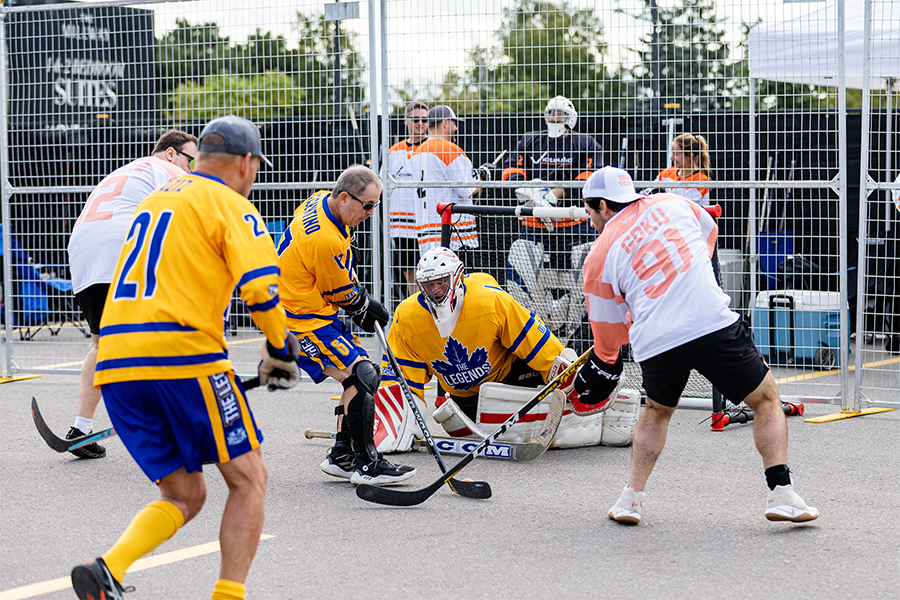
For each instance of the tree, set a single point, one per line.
(684, 59)
(544, 49)
(203, 74)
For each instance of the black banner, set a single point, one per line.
(76, 65)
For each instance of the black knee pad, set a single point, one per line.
(360, 414)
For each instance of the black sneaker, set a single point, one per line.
(379, 472)
(93, 450)
(338, 462)
(93, 581)
(892, 344)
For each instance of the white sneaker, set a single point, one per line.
(785, 505)
(628, 508)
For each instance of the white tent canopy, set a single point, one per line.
(805, 50)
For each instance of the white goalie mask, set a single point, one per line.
(439, 277)
(561, 116)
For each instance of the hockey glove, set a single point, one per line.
(278, 370)
(596, 384)
(560, 364)
(538, 198)
(366, 311)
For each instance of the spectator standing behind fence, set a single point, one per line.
(402, 203)
(556, 156)
(690, 162)
(647, 281)
(440, 160)
(163, 367)
(95, 245)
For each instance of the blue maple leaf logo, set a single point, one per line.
(461, 371)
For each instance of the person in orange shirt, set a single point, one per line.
(690, 162)
(402, 202)
(439, 160)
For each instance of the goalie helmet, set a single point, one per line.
(439, 277)
(560, 115)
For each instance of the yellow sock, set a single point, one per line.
(157, 522)
(229, 590)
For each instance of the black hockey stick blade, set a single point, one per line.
(392, 497)
(59, 444)
(470, 489)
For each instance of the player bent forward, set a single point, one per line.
(163, 365)
(648, 280)
(490, 354)
(318, 278)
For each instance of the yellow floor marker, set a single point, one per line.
(17, 378)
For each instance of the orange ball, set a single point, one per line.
(467, 479)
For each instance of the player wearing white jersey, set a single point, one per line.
(95, 245)
(648, 279)
(440, 160)
(402, 202)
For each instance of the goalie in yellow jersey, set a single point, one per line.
(489, 353)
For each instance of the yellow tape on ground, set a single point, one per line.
(55, 585)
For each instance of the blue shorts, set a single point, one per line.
(172, 423)
(333, 345)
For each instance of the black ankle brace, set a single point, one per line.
(778, 475)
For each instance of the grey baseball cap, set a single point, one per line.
(441, 112)
(241, 136)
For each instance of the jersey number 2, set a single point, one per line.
(148, 245)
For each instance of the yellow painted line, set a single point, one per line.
(76, 363)
(55, 585)
(869, 365)
(17, 378)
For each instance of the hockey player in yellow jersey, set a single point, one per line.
(163, 365)
(490, 354)
(318, 279)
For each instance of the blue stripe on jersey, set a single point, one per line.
(492, 287)
(264, 306)
(411, 363)
(522, 335)
(327, 210)
(311, 316)
(143, 328)
(538, 346)
(257, 273)
(343, 288)
(212, 177)
(160, 361)
(411, 384)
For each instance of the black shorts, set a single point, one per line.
(404, 253)
(520, 375)
(727, 357)
(91, 300)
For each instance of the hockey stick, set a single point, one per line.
(787, 197)
(357, 135)
(391, 497)
(469, 489)
(623, 155)
(63, 445)
(447, 445)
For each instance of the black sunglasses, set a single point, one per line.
(418, 119)
(365, 205)
(190, 158)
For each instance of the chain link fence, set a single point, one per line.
(750, 106)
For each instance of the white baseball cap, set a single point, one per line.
(610, 183)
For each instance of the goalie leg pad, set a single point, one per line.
(454, 421)
(395, 425)
(620, 418)
(498, 401)
(360, 413)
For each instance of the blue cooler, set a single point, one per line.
(798, 326)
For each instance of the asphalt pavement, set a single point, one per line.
(544, 534)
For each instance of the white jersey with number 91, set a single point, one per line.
(648, 279)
